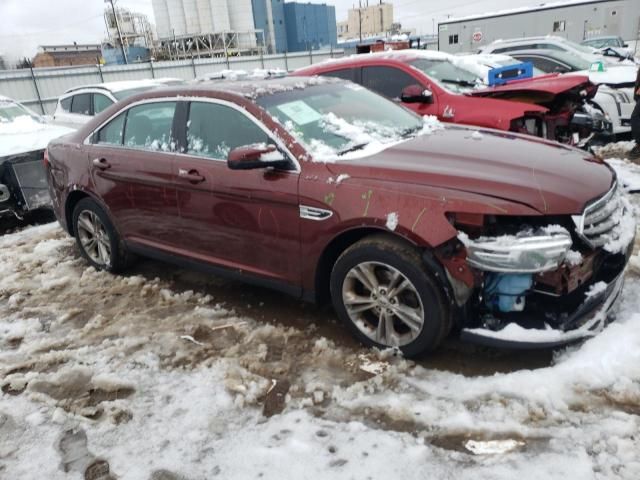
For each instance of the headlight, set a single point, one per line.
(527, 252)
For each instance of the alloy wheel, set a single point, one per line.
(383, 304)
(94, 238)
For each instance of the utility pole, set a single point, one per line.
(360, 19)
(115, 17)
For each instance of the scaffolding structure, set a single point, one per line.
(215, 44)
(135, 28)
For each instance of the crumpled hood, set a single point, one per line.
(549, 177)
(552, 84)
(26, 135)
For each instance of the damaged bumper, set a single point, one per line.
(23, 184)
(591, 317)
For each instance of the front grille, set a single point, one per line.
(597, 225)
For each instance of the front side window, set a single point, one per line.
(214, 130)
(81, 104)
(148, 126)
(100, 103)
(65, 103)
(387, 81)
(112, 132)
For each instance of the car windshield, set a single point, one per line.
(580, 48)
(335, 119)
(9, 111)
(603, 42)
(450, 76)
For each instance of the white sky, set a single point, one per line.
(25, 24)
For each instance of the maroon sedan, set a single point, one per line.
(325, 190)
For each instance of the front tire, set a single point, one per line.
(382, 291)
(96, 237)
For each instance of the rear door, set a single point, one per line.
(243, 219)
(131, 163)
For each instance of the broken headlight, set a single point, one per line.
(529, 251)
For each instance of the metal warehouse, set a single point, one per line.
(576, 20)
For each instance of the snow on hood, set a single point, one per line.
(612, 75)
(26, 134)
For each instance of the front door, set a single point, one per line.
(247, 220)
(131, 163)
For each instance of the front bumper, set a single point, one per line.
(590, 319)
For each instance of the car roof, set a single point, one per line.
(546, 38)
(394, 55)
(119, 86)
(246, 89)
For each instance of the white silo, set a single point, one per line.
(192, 19)
(204, 13)
(241, 16)
(220, 15)
(161, 14)
(177, 19)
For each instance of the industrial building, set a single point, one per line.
(131, 37)
(67, 55)
(310, 26)
(575, 20)
(196, 28)
(368, 20)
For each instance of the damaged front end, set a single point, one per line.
(23, 184)
(543, 282)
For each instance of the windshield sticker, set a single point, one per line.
(300, 112)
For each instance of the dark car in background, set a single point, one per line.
(329, 192)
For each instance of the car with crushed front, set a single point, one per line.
(327, 191)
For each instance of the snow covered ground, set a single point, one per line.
(144, 377)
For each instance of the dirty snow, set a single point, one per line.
(161, 375)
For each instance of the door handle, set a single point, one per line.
(190, 175)
(101, 163)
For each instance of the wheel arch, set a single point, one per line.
(334, 249)
(72, 200)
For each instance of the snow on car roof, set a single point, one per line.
(119, 86)
(513, 11)
(408, 54)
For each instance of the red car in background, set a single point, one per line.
(432, 83)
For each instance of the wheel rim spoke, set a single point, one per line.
(404, 284)
(409, 316)
(86, 224)
(365, 275)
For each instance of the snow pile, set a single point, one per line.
(628, 174)
(392, 221)
(26, 134)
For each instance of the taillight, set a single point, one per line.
(45, 158)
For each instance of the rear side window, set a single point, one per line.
(81, 104)
(214, 130)
(100, 102)
(387, 81)
(111, 133)
(545, 64)
(149, 126)
(345, 74)
(65, 103)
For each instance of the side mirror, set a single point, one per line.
(416, 94)
(255, 156)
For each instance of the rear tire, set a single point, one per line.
(381, 289)
(96, 237)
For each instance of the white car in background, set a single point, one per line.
(79, 104)
(24, 135)
(551, 42)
